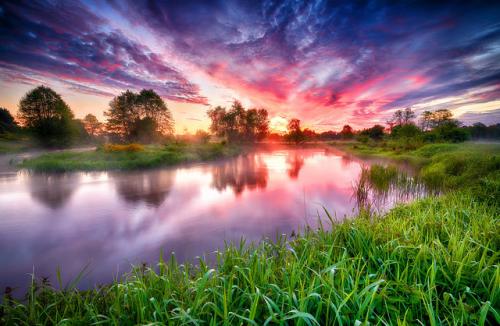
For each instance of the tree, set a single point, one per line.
(376, 132)
(295, 133)
(425, 120)
(143, 116)
(430, 120)
(442, 117)
(408, 116)
(92, 125)
(201, 136)
(218, 125)
(152, 106)
(347, 132)
(44, 112)
(409, 130)
(239, 124)
(7, 122)
(401, 117)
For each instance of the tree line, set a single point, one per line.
(144, 117)
(431, 126)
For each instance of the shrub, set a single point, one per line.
(114, 148)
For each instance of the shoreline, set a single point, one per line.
(406, 263)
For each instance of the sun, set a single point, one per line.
(278, 124)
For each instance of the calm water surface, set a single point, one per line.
(110, 220)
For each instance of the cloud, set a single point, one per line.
(341, 62)
(70, 43)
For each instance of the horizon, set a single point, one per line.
(327, 65)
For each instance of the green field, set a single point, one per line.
(151, 156)
(431, 262)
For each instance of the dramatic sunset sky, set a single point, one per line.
(327, 63)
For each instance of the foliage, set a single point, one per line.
(92, 125)
(431, 120)
(238, 124)
(295, 133)
(401, 118)
(109, 148)
(449, 131)
(481, 131)
(376, 132)
(347, 132)
(144, 116)
(44, 112)
(201, 136)
(7, 122)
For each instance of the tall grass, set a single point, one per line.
(432, 262)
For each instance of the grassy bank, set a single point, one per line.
(145, 157)
(435, 261)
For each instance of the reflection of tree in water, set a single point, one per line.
(52, 189)
(151, 187)
(295, 163)
(244, 172)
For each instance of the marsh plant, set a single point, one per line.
(379, 187)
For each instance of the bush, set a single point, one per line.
(114, 148)
(407, 130)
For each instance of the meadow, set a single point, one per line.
(128, 157)
(434, 261)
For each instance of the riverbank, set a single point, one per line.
(435, 261)
(129, 158)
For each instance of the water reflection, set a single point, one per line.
(295, 162)
(113, 219)
(52, 189)
(245, 172)
(151, 187)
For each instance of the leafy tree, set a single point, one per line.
(295, 133)
(425, 120)
(7, 122)
(408, 130)
(201, 136)
(376, 132)
(480, 130)
(143, 116)
(92, 125)
(430, 120)
(347, 132)
(122, 114)
(238, 124)
(152, 106)
(450, 131)
(401, 117)
(44, 112)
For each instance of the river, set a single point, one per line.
(110, 220)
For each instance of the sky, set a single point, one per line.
(328, 63)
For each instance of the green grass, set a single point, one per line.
(435, 261)
(11, 144)
(152, 156)
(432, 262)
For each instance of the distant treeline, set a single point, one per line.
(144, 117)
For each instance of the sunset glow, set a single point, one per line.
(326, 64)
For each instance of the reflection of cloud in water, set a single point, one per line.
(188, 209)
(150, 187)
(53, 189)
(244, 172)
